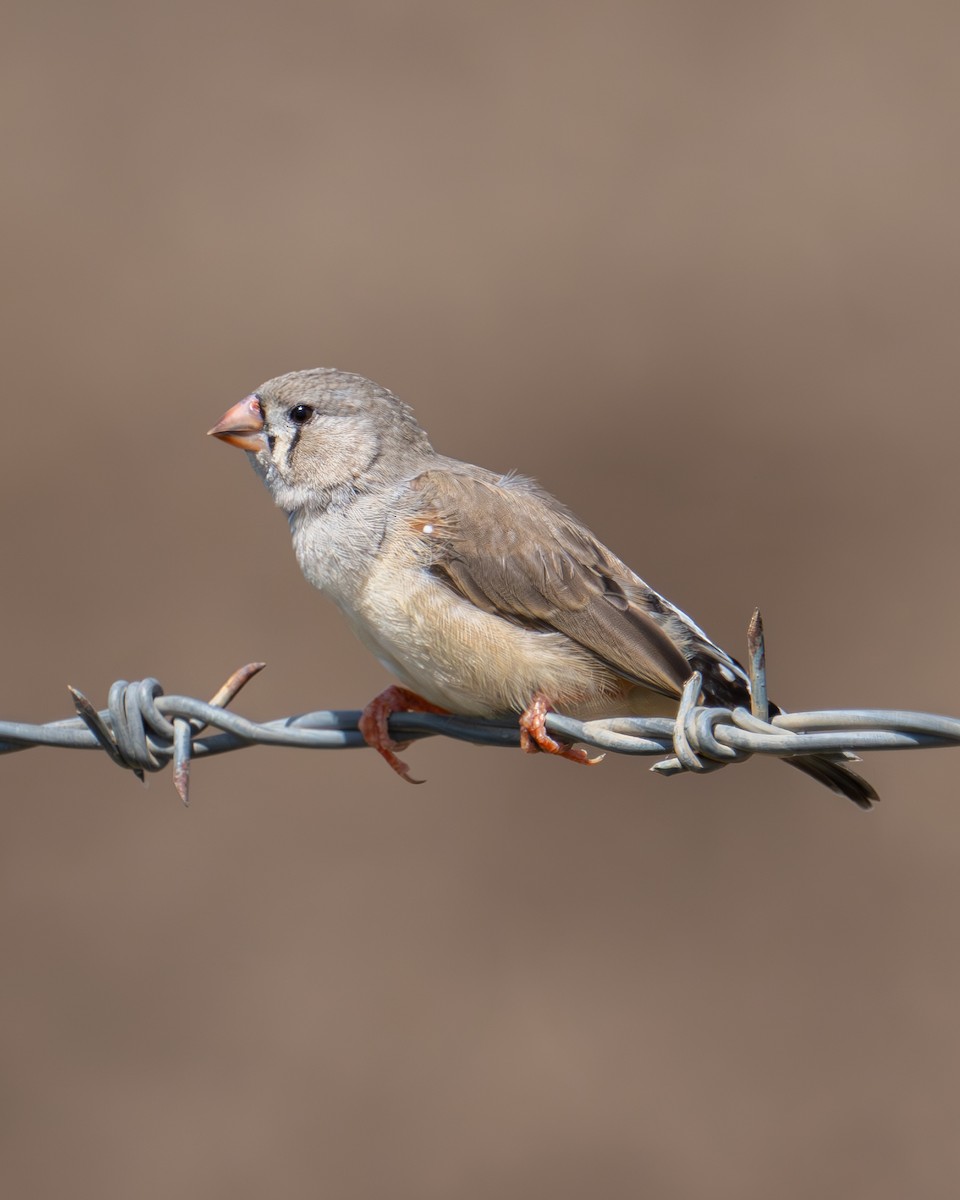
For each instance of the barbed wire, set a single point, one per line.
(142, 729)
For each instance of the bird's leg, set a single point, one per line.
(534, 736)
(374, 718)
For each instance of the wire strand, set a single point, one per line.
(142, 729)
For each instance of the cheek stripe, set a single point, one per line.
(293, 444)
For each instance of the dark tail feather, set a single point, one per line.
(837, 778)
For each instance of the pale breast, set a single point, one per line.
(440, 644)
(472, 662)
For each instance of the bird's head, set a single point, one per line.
(317, 435)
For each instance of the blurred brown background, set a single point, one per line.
(695, 267)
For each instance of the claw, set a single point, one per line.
(376, 733)
(534, 736)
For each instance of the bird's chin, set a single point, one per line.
(274, 482)
(261, 463)
(285, 495)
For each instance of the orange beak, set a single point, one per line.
(242, 426)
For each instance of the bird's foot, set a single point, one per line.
(373, 724)
(534, 736)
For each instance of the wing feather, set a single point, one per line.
(513, 551)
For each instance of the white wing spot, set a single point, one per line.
(727, 673)
(428, 529)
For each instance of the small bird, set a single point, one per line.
(480, 592)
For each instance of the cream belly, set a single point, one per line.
(477, 664)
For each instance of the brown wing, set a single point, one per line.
(513, 551)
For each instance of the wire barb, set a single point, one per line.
(184, 730)
(757, 658)
(142, 729)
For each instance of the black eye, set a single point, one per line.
(300, 414)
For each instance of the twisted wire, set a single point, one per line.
(142, 729)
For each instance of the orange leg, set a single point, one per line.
(534, 736)
(373, 724)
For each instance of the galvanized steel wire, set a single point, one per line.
(142, 729)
